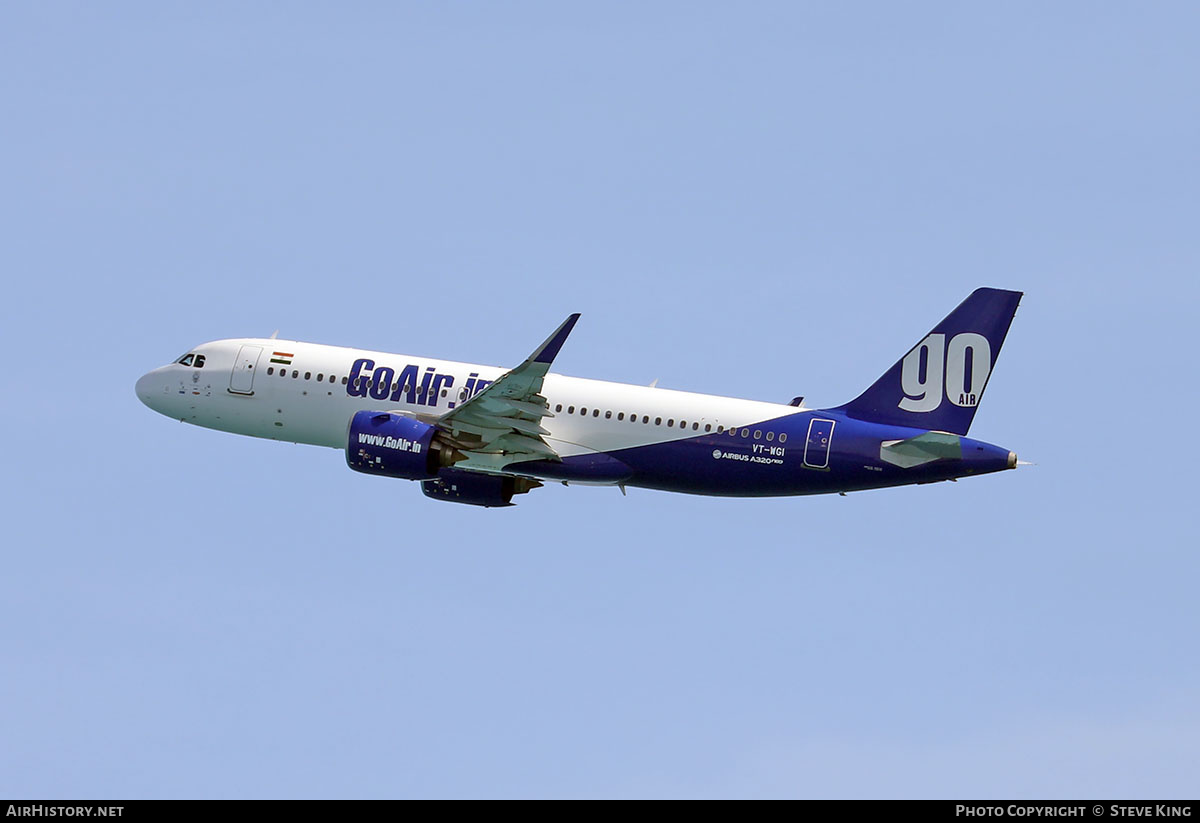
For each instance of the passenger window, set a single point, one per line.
(345, 380)
(320, 377)
(670, 421)
(732, 431)
(608, 415)
(683, 424)
(620, 415)
(332, 379)
(558, 407)
(770, 436)
(186, 360)
(745, 432)
(696, 427)
(270, 369)
(570, 409)
(658, 421)
(199, 361)
(583, 410)
(757, 434)
(720, 429)
(782, 437)
(645, 418)
(295, 373)
(595, 412)
(308, 375)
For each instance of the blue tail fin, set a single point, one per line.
(939, 383)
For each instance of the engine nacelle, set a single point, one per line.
(476, 489)
(391, 445)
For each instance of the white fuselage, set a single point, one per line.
(306, 398)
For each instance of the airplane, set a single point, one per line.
(481, 435)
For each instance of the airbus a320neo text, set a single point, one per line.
(481, 435)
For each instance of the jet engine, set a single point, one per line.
(393, 445)
(474, 489)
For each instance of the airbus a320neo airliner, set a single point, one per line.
(480, 434)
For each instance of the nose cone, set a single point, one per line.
(151, 389)
(143, 387)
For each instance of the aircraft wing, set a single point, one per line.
(502, 424)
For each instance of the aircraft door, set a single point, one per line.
(820, 437)
(241, 380)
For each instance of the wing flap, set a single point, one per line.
(533, 409)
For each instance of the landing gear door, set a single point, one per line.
(241, 381)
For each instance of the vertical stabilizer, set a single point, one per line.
(939, 383)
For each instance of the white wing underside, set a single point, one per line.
(501, 425)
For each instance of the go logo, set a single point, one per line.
(962, 367)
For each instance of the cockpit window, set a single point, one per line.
(186, 360)
(199, 361)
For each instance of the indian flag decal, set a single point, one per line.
(282, 357)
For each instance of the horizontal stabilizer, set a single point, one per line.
(922, 449)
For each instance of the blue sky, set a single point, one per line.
(759, 200)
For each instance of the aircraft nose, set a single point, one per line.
(145, 388)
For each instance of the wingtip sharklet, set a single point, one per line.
(549, 350)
